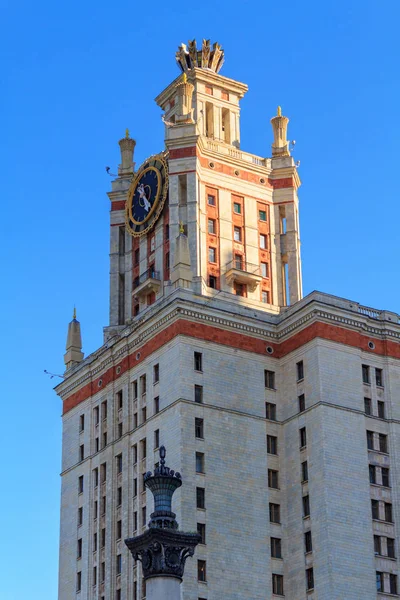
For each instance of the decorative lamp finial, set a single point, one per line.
(74, 314)
(181, 227)
(184, 78)
(127, 133)
(279, 112)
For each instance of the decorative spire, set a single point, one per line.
(280, 147)
(279, 112)
(127, 133)
(162, 485)
(190, 58)
(127, 146)
(74, 354)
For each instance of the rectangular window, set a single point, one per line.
(265, 297)
(201, 530)
(304, 471)
(119, 496)
(104, 439)
(95, 477)
(379, 581)
(270, 411)
(238, 262)
(82, 423)
(306, 506)
(367, 406)
(390, 548)
(272, 444)
(199, 462)
(135, 521)
(377, 545)
(96, 415)
(273, 479)
(385, 477)
(80, 485)
(237, 234)
(198, 361)
(379, 377)
(78, 581)
(388, 512)
(237, 208)
(137, 257)
(276, 547)
(300, 370)
(119, 530)
(80, 516)
(200, 497)
(381, 409)
(310, 578)
(239, 288)
(81, 452)
(144, 414)
(103, 505)
(211, 226)
(94, 542)
(264, 270)
(143, 447)
(120, 400)
(277, 584)
(79, 550)
(365, 373)
(119, 463)
(135, 454)
(95, 509)
(118, 595)
(393, 583)
(135, 389)
(143, 516)
(143, 384)
(372, 474)
(375, 509)
(156, 402)
(156, 439)
(102, 571)
(262, 215)
(198, 394)
(370, 440)
(201, 570)
(94, 575)
(156, 373)
(120, 430)
(269, 379)
(308, 541)
(263, 241)
(211, 200)
(274, 513)
(167, 233)
(212, 282)
(96, 444)
(383, 445)
(119, 564)
(303, 437)
(104, 410)
(103, 472)
(135, 487)
(199, 428)
(302, 403)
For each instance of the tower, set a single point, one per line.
(282, 413)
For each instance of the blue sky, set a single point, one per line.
(73, 76)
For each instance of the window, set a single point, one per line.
(96, 444)
(272, 444)
(137, 257)
(81, 452)
(367, 406)
(120, 430)
(94, 542)
(388, 512)
(156, 373)
(135, 454)
(143, 516)
(393, 583)
(277, 584)
(212, 282)
(276, 547)
(80, 485)
(237, 208)
(372, 474)
(119, 530)
(198, 361)
(375, 509)
(377, 545)
(381, 409)
(166, 232)
(82, 423)
(239, 288)
(199, 462)
(383, 445)
(265, 297)
(379, 581)
(94, 575)
(211, 226)
(199, 428)
(306, 506)
(79, 550)
(156, 439)
(308, 541)
(370, 440)
(103, 472)
(270, 411)
(303, 437)
(302, 403)
(238, 261)
(103, 505)
(198, 394)
(264, 270)
(237, 234)
(156, 402)
(143, 384)
(135, 521)
(262, 215)
(118, 595)
(390, 548)
(211, 200)
(119, 463)
(102, 571)
(274, 513)
(269, 379)
(310, 578)
(96, 415)
(104, 410)
(200, 497)
(201, 570)
(78, 581)
(80, 516)
(120, 400)
(135, 487)
(119, 496)
(385, 477)
(365, 373)
(263, 241)
(304, 471)
(119, 564)
(201, 530)
(134, 389)
(104, 439)
(273, 480)
(143, 447)
(379, 377)
(144, 414)
(95, 509)
(95, 477)
(300, 370)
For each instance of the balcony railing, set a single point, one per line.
(240, 271)
(147, 282)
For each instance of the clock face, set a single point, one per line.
(147, 194)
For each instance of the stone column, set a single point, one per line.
(163, 549)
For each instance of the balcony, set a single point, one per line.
(146, 283)
(244, 273)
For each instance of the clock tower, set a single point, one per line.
(239, 211)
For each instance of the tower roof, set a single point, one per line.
(189, 57)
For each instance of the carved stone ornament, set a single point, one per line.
(206, 58)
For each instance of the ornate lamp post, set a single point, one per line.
(163, 549)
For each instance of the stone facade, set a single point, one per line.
(242, 393)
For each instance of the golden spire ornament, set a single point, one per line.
(74, 314)
(279, 112)
(127, 133)
(181, 227)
